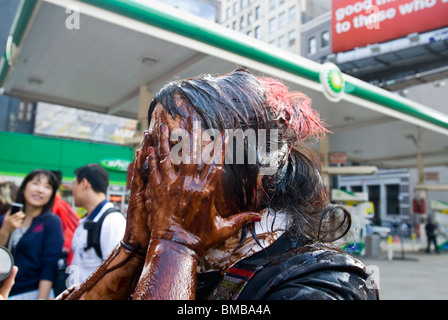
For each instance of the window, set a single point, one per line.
(257, 32)
(325, 39)
(393, 202)
(292, 14)
(25, 111)
(282, 42)
(234, 25)
(292, 37)
(242, 23)
(312, 46)
(243, 4)
(258, 12)
(271, 4)
(374, 192)
(282, 19)
(250, 19)
(271, 24)
(235, 8)
(249, 33)
(228, 13)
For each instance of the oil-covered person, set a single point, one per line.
(227, 202)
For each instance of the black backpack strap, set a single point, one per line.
(94, 232)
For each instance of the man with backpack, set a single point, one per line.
(103, 226)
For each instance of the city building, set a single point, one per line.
(276, 22)
(316, 38)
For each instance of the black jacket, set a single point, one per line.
(289, 271)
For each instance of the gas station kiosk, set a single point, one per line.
(360, 209)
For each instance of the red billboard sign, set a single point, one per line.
(357, 23)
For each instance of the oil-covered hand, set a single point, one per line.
(183, 209)
(137, 232)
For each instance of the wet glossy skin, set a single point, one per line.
(184, 221)
(175, 218)
(117, 275)
(161, 116)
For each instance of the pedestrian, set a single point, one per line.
(431, 235)
(70, 221)
(249, 228)
(101, 228)
(34, 236)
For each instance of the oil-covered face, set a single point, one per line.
(159, 116)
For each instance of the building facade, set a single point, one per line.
(389, 191)
(276, 22)
(316, 38)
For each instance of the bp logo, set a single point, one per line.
(332, 81)
(115, 164)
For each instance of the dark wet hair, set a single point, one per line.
(52, 180)
(240, 100)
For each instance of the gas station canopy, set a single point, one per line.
(101, 61)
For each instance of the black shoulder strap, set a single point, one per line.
(94, 232)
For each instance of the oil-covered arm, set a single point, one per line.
(184, 222)
(116, 277)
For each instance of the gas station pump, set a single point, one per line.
(360, 209)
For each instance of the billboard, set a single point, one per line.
(60, 121)
(357, 23)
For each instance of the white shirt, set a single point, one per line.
(85, 262)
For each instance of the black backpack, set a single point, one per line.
(94, 232)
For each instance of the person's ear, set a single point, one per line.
(85, 184)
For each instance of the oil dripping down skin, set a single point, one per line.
(223, 257)
(167, 273)
(116, 276)
(184, 223)
(112, 280)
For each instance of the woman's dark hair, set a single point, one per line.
(240, 100)
(52, 180)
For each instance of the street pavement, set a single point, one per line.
(412, 274)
